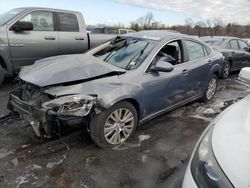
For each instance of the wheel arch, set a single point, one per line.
(131, 100)
(3, 63)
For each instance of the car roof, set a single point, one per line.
(48, 9)
(157, 35)
(220, 37)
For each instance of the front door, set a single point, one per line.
(41, 42)
(165, 89)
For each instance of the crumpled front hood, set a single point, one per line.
(65, 69)
(231, 143)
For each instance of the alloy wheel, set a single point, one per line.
(119, 125)
(226, 70)
(212, 85)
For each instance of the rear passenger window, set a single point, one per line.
(233, 44)
(194, 50)
(243, 45)
(67, 22)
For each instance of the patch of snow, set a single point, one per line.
(125, 146)
(84, 185)
(144, 158)
(201, 117)
(143, 138)
(36, 167)
(21, 180)
(4, 153)
(14, 161)
(219, 104)
(52, 164)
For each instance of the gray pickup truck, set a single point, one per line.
(29, 34)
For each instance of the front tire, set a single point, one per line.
(115, 125)
(210, 89)
(226, 68)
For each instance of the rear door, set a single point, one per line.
(72, 36)
(197, 67)
(245, 49)
(41, 42)
(237, 54)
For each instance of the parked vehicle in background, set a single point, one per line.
(247, 40)
(235, 50)
(116, 86)
(29, 34)
(221, 157)
(110, 30)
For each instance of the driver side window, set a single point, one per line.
(171, 53)
(41, 20)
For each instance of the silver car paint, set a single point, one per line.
(19, 49)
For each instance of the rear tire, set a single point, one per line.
(210, 89)
(114, 126)
(226, 68)
(1, 75)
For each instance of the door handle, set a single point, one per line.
(184, 72)
(79, 38)
(49, 38)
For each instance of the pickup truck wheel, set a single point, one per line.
(225, 71)
(210, 89)
(114, 126)
(1, 75)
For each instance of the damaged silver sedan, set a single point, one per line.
(116, 86)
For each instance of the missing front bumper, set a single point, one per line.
(45, 123)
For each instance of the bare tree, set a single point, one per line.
(189, 23)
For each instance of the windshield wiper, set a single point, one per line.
(119, 46)
(133, 62)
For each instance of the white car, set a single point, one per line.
(222, 156)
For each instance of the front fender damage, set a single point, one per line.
(48, 118)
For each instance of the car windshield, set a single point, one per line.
(212, 41)
(7, 16)
(126, 52)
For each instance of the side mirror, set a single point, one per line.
(162, 66)
(244, 75)
(22, 26)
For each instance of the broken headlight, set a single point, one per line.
(73, 105)
(204, 166)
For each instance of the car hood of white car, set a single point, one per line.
(231, 143)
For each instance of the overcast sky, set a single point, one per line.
(125, 11)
